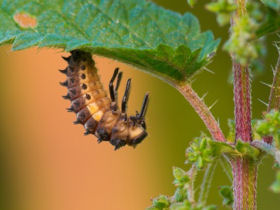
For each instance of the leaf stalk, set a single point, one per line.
(202, 110)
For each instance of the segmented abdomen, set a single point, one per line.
(94, 109)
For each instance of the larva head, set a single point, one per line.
(137, 133)
(137, 128)
(130, 131)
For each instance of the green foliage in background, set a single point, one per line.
(223, 10)
(240, 43)
(182, 198)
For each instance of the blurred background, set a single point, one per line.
(47, 163)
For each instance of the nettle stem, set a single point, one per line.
(242, 102)
(202, 110)
(244, 173)
(244, 170)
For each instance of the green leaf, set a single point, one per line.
(180, 195)
(271, 23)
(133, 31)
(181, 177)
(161, 202)
(248, 150)
(227, 194)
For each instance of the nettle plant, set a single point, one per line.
(172, 47)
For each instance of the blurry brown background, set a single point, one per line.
(47, 163)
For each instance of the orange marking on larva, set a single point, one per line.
(93, 108)
(25, 20)
(100, 114)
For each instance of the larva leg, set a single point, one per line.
(126, 95)
(108, 121)
(111, 85)
(143, 110)
(120, 132)
(114, 91)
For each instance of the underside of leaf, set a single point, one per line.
(133, 31)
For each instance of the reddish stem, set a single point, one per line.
(202, 110)
(244, 183)
(244, 169)
(242, 101)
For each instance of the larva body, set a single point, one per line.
(98, 113)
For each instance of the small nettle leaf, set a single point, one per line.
(181, 177)
(247, 149)
(202, 151)
(138, 32)
(161, 202)
(227, 194)
(180, 194)
(270, 125)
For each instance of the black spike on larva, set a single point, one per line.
(63, 71)
(86, 133)
(64, 83)
(71, 109)
(67, 59)
(73, 91)
(76, 103)
(66, 96)
(77, 122)
(99, 140)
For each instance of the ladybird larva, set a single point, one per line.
(99, 114)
